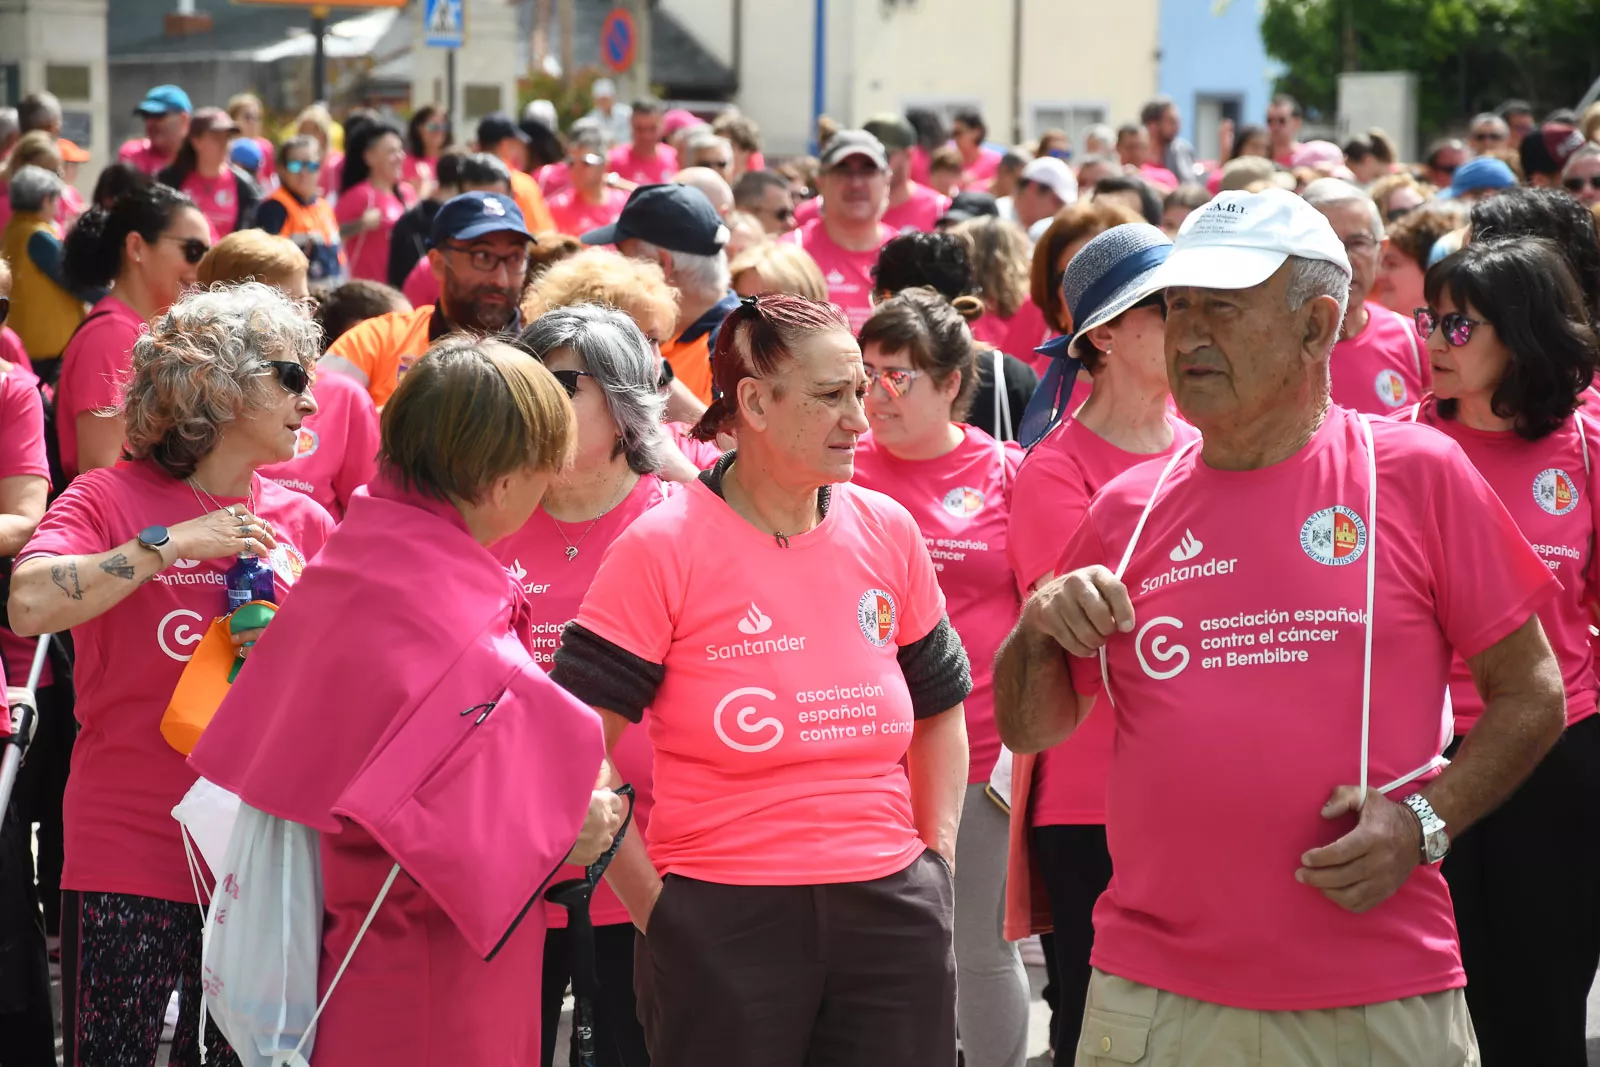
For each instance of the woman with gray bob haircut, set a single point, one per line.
(132, 559)
(608, 369)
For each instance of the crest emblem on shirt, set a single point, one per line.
(877, 617)
(835, 277)
(1334, 536)
(1390, 387)
(963, 502)
(287, 561)
(224, 198)
(305, 443)
(1555, 491)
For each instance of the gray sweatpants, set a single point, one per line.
(991, 983)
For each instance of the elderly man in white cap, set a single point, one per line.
(614, 119)
(1269, 617)
(1047, 185)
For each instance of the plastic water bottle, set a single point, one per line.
(250, 578)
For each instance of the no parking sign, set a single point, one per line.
(619, 41)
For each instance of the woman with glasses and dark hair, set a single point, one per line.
(609, 372)
(427, 136)
(145, 249)
(131, 559)
(1512, 351)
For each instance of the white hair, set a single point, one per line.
(699, 276)
(1325, 192)
(32, 186)
(1311, 278)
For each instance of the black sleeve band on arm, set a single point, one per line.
(936, 671)
(608, 676)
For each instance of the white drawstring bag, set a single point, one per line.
(206, 815)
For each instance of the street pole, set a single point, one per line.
(640, 73)
(819, 70)
(450, 87)
(319, 57)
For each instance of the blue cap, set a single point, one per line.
(675, 217)
(164, 100)
(1482, 172)
(246, 153)
(472, 215)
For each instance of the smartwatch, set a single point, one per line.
(155, 538)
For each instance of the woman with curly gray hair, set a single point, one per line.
(609, 370)
(131, 558)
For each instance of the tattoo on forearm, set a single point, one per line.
(67, 578)
(118, 566)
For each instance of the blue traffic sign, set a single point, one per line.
(444, 23)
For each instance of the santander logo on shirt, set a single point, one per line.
(754, 623)
(1187, 548)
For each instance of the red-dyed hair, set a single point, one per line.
(758, 337)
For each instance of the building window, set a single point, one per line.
(1070, 115)
(67, 82)
(480, 100)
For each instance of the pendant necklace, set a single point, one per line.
(571, 550)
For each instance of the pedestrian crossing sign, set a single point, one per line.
(444, 23)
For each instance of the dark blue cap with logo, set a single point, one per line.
(164, 100)
(473, 215)
(674, 217)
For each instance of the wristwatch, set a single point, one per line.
(1435, 839)
(155, 538)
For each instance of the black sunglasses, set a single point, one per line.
(1576, 185)
(194, 249)
(569, 380)
(292, 376)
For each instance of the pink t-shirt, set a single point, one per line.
(1017, 336)
(536, 556)
(576, 216)
(92, 368)
(848, 274)
(1548, 487)
(21, 455)
(421, 285)
(369, 251)
(920, 161)
(125, 778)
(921, 211)
(1062, 473)
(268, 167)
(781, 724)
(218, 200)
(655, 169)
(12, 352)
(141, 154)
(1382, 368)
(336, 450)
(703, 454)
(981, 171)
(961, 502)
(331, 174)
(1160, 177)
(418, 172)
(554, 177)
(1239, 696)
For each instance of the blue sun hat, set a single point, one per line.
(1109, 275)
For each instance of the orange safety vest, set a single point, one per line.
(313, 227)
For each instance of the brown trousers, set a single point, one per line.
(856, 974)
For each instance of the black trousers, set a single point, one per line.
(618, 1037)
(1076, 868)
(41, 785)
(27, 1019)
(1524, 882)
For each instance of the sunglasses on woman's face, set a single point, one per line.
(1457, 327)
(194, 249)
(292, 376)
(569, 380)
(896, 381)
(302, 166)
(1575, 185)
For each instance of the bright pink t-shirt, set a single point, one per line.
(576, 216)
(554, 177)
(268, 166)
(331, 174)
(336, 450)
(125, 778)
(920, 211)
(920, 162)
(655, 169)
(1382, 368)
(1160, 177)
(1017, 336)
(418, 172)
(781, 724)
(848, 274)
(961, 503)
(141, 154)
(981, 171)
(12, 352)
(92, 368)
(421, 285)
(536, 556)
(369, 251)
(218, 200)
(1548, 487)
(21, 455)
(703, 454)
(1239, 696)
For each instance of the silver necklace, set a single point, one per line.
(196, 488)
(572, 547)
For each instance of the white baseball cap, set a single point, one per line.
(1240, 239)
(1053, 174)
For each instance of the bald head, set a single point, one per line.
(712, 184)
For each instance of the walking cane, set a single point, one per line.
(23, 710)
(574, 894)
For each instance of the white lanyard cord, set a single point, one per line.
(1002, 402)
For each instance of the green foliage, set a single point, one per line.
(573, 97)
(1468, 55)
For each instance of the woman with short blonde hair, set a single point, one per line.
(774, 267)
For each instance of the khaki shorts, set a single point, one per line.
(1125, 1022)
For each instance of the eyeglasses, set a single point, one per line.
(854, 173)
(1575, 185)
(1360, 243)
(896, 381)
(569, 380)
(302, 166)
(292, 376)
(1279, 120)
(1397, 213)
(1488, 135)
(435, 127)
(1457, 327)
(486, 262)
(1447, 169)
(194, 249)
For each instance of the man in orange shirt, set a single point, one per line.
(479, 254)
(501, 137)
(676, 227)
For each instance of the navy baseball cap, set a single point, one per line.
(492, 129)
(671, 216)
(164, 100)
(472, 215)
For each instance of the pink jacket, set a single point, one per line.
(394, 705)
